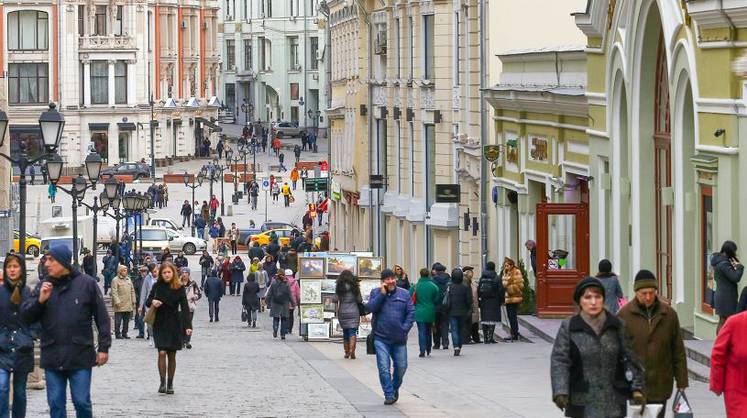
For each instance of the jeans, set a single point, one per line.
(80, 391)
(386, 353)
(286, 200)
(441, 330)
(205, 272)
(456, 324)
(19, 394)
(254, 202)
(121, 323)
(234, 288)
(277, 323)
(186, 219)
(289, 324)
(139, 324)
(200, 232)
(213, 308)
(513, 320)
(294, 185)
(251, 315)
(349, 333)
(424, 336)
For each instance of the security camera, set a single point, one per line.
(719, 132)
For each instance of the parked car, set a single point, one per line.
(277, 225)
(32, 244)
(263, 238)
(164, 223)
(155, 239)
(134, 169)
(180, 242)
(245, 235)
(288, 129)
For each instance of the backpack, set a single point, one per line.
(486, 288)
(280, 294)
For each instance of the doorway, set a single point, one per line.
(124, 147)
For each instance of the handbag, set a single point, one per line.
(243, 315)
(651, 411)
(150, 316)
(370, 347)
(630, 366)
(681, 406)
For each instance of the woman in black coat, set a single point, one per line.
(172, 321)
(490, 295)
(16, 336)
(459, 305)
(250, 300)
(237, 275)
(727, 271)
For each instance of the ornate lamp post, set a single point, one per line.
(217, 174)
(196, 182)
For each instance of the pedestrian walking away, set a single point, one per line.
(491, 296)
(171, 324)
(614, 295)
(727, 272)
(67, 304)
(279, 299)
(123, 302)
(471, 332)
(294, 177)
(349, 301)
(250, 299)
(425, 296)
(513, 282)
(193, 295)
(110, 262)
(295, 299)
(138, 284)
(441, 324)
(593, 369)
(214, 290)
(393, 316)
(459, 307)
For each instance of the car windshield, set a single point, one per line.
(154, 235)
(54, 242)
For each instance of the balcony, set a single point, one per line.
(105, 43)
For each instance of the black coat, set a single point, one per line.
(214, 288)
(256, 252)
(172, 317)
(490, 295)
(459, 302)
(67, 322)
(237, 271)
(727, 278)
(16, 336)
(442, 280)
(89, 265)
(250, 298)
(180, 262)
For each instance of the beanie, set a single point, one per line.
(386, 273)
(457, 276)
(584, 284)
(645, 279)
(62, 255)
(605, 266)
(438, 267)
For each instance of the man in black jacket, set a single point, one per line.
(256, 251)
(89, 263)
(441, 326)
(66, 304)
(181, 261)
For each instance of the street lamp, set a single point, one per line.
(199, 178)
(218, 170)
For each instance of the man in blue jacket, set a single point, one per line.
(66, 304)
(393, 316)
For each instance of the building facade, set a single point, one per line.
(273, 56)
(109, 60)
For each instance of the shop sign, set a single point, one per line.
(491, 152)
(448, 193)
(538, 152)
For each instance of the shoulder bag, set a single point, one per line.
(370, 347)
(630, 366)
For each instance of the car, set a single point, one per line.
(276, 225)
(180, 242)
(263, 238)
(246, 234)
(164, 223)
(288, 129)
(32, 244)
(155, 239)
(134, 169)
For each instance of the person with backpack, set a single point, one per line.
(425, 295)
(279, 297)
(458, 305)
(490, 298)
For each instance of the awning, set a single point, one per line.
(209, 124)
(126, 126)
(98, 126)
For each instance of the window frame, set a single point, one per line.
(118, 78)
(17, 14)
(100, 26)
(17, 75)
(429, 56)
(105, 95)
(706, 192)
(230, 54)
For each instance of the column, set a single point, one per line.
(86, 83)
(131, 83)
(111, 81)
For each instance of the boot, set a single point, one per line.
(486, 334)
(346, 344)
(162, 388)
(353, 341)
(170, 387)
(492, 334)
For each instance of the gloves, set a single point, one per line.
(639, 399)
(561, 401)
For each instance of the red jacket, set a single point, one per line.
(729, 365)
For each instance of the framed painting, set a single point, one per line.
(311, 291)
(328, 286)
(365, 326)
(318, 331)
(329, 300)
(370, 267)
(310, 268)
(329, 315)
(367, 285)
(336, 328)
(312, 314)
(337, 263)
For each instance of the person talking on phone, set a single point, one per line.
(67, 303)
(727, 271)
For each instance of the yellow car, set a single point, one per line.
(263, 238)
(32, 244)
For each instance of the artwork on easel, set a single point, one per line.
(337, 263)
(370, 267)
(318, 331)
(311, 291)
(312, 314)
(311, 268)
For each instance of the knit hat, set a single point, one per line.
(185, 270)
(62, 255)
(438, 267)
(288, 272)
(605, 266)
(457, 276)
(645, 279)
(386, 273)
(584, 284)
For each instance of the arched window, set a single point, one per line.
(28, 30)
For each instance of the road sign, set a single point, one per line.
(315, 184)
(265, 184)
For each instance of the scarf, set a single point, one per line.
(17, 284)
(595, 322)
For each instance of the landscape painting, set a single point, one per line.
(337, 263)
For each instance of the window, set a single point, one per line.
(410, 45)
(295, 9)
(312, 7)
(706, 242)
(100, 21)
(248, 64)
(265, 54)
(99, 82)
(228, 9)
(120, 82)
(314, 51)
(27, 31)
(293, 53)
(457, 48)
(81, 20)
(428, 45)
(294, 91)
(230, 54)
(100, 142)
(118, 21)
(397, 52)
(266, 8)
(294, 114)
(28, 83)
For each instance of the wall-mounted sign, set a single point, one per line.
(376, 181)
(538, 152)
(491, 152)
(448, 193)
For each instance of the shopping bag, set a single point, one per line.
(150, 316)
(681, 406)
(651, 411)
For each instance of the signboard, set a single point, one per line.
(265, 184)
(447, 193)
(315, 184)
(491, 152)
(376, 181)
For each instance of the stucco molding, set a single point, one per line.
(709, 14)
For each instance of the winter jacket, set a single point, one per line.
(295, 291)
(729, 365)
(148, 283)
(727, 278)
(172, 317)
(186, 210)
(347, 308)
(123, 295)
(214, 231)
(16, 336)
(193, 294)
(472, 284)
(199, 223)
(237, 271)
(612, 292)
(181, 261)
(393, 315)
(279, 296)
(89, 265)
(427, 298)
(206, 262)
(110, 265)
(459, 301)
(233, 234)
(586, 367)
(657, 341)
(67, 322)
(490, 296)
(214, 288)
(513, 281)
(271, 268)
(250, 297)
(256, 252)
(442, 280)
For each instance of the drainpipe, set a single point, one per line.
(484, 176)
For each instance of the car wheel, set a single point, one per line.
(189, 248)
(33, 250)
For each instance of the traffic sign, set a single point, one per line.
(315, 184)
(265, 184)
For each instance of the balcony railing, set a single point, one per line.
(106, 42)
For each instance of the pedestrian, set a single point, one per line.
(193, 295)
(403, 280)
(425, 296)
(727, 271)
(254, 192)
(124, 302)
(67, 344)
(186, 213)
(304, 140)
(297, 153)
(214, 203)
(237, 275)
(110, 263)
(52, 192)
(89, 263)
(592, 366)
(513, 282)
(264, 140)
(233, 236)
(275, 192)
(199, 224)
(286, 191)
(255, 251)
(614, 295)
(441, 325)
(215, 235)
(16, 337)
(279, 295)
(729, 365)
(281, 160)
(458, 304)
(166, 195)
(295, 289)
(148, 282)
(181, 261)
(214, 291)
(291, 259)
(472, 332)
(348, 310)
(270, 266)
(294, 177)
(262, 282)
(393, 315)
(205, 211)
(491, 296)
(172, 323)
(138, 284)
(206, 263)
(219, 148)
(531, 246)
(250, 299)
(657, 339)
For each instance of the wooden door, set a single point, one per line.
(562, 255)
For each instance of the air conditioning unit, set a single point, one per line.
(319, 55)
(380, 43)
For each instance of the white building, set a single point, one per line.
(109, 59)
(273, 55)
